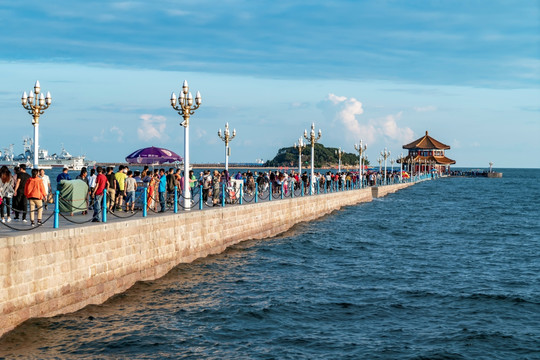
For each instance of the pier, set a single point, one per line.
(52, 271)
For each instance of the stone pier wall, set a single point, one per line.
(51, 272)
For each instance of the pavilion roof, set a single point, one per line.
(426, 142)
(440, 160)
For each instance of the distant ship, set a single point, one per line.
(46, 161)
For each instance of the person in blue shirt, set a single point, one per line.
(63, 175)
(162, 189)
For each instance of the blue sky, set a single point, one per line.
(381, 71)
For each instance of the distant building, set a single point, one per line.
(426, 154)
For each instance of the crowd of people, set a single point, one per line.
(18, 190)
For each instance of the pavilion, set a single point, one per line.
(426, 154)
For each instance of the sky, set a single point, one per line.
(383, 72)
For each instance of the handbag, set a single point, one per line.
(50, 198)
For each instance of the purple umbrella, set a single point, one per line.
(152, 155)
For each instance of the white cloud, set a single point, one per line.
(425, 108)
(152, 127)
(114, 132)
(118, 132)
(346, 112)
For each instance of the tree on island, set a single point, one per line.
(324, 157)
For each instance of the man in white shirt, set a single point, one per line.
(47, 184)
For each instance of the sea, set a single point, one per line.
(445, 269)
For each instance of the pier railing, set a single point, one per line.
(235, 193)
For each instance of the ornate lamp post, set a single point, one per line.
(392, 161)
(300, 146)
(184, 105)
(361, 149)
(312, 139)
(380, 161)
(226, 139)
(36, 106)
(385, 155)
(339, 152)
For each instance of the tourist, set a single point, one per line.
(207, 185)
(216, 185)
(111, 188)
(120, 177)
(84, 177)
(20, 202)
(97, 193)
(47, 185)
(63, 175)
(131, 188)
(152, 180)
(92, 180)
(34, 191)
(192, 183)
(7, 185)
(162, 190)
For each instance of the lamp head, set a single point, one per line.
(48, 99)
(190, 99)
(41, 99)
(173, 99)
(24, 98)
(37, 88)
(185, 87)
(198, 98)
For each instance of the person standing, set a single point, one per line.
(120, 177)
(97, 194)
(34, 191)
(111, 188)
(47, 185)
(216, 185)
(162, 189)
(7, 184)
(63, 175)
(131, 188)
(20, 201)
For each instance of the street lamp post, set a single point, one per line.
(392, 161)
(184, 105)
(339, 152)
(36, 106)
(380, 160)
(312, 139)
(226, 139)
(300, 146)
(385, 155)
(361, 149)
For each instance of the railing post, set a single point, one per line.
(270, 191)
(223, 195)
(176, 199)
(256, 192)
(301, 188)
(145, 202)
(241, 194)
(292, 188)
(282, 190)
(318, 187)
(104, 206)
(311, 187)
(200, 197)
(56, 209)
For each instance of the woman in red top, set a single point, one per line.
(34, 190)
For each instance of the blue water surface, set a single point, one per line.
(446, 269)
